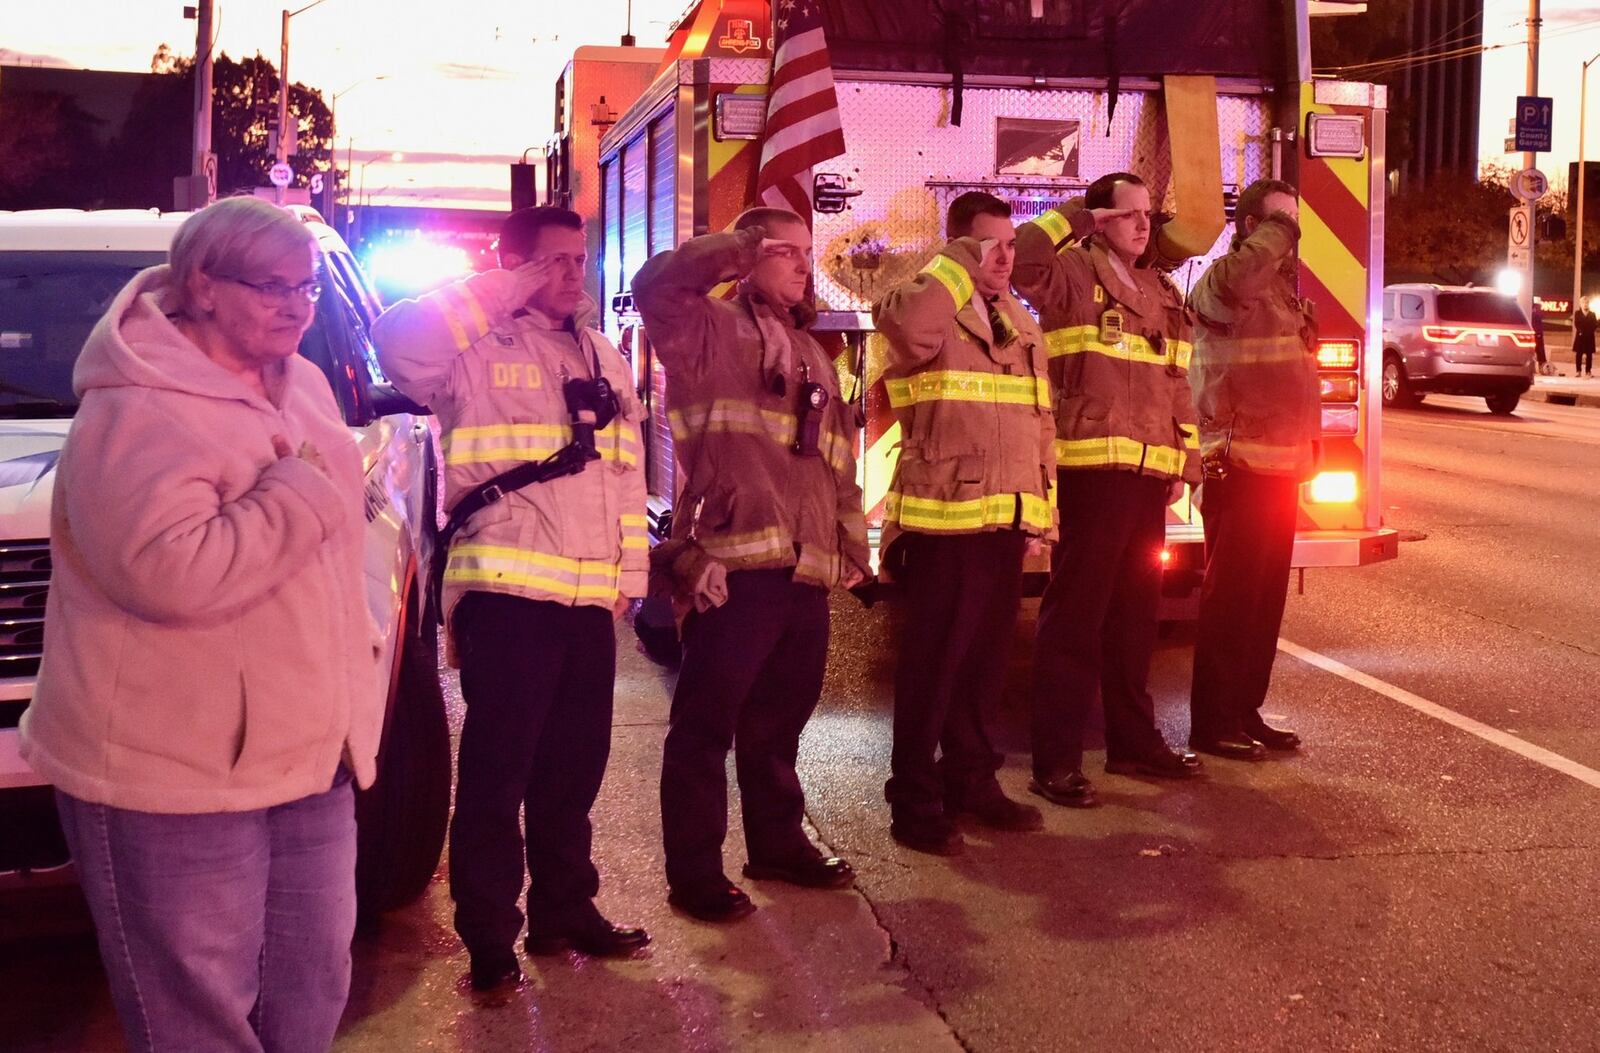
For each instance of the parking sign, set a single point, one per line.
(1533, 123)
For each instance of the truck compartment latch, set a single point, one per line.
(830, 194)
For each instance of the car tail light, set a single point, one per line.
(1524, 339)
(1340, 420)
(1443, 334)
(1340, 388)
(1334, 488)
(1338, 354)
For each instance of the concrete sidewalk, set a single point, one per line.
(810, 970)
(1565, 390)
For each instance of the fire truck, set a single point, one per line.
(1029, 100)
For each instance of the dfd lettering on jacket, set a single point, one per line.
(526, 375)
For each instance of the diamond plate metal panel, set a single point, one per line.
(908, 161)
(1346, 93)
(730, 70)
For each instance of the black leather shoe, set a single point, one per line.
(1167, 764)
(990, 806)
(1284, 741)
(935, 835)
(1071, 790)
(599, 940)
(1237, 746)
(490, 974)
(713, 903)
(810, 872)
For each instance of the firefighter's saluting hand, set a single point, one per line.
(530, 278)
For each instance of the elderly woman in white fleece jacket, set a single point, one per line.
(208, 689)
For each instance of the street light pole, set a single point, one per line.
(361, 195)
(282, 156)
(333, 118)
(1577, 237)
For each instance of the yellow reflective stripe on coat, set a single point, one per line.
(1085, 339)
(635, 532)
(1191, 436)
(737, 415)
(1055, 226)
(931, 515)
(1220, 352)
(560, 576)
(961, 385)
(482, 444)
(817, 566)
(754, 546)
(1266, 454)
(1118, 451)
(469, 301)
(457, 300)
(954, 277)
(458, 332)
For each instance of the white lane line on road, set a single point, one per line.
(1521, 747)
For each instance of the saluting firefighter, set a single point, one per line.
(534, 580)
(1119, 346)
(968, 380)
(768, 498)
(1255, 385)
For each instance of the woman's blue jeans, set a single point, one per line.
(223, 931)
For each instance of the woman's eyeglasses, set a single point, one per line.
(276, 294)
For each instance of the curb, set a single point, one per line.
(1562, 398)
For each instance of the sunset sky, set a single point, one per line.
(468, 85)
(1571, 34)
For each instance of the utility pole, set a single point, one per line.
(1577, 235)
(1529, 160)
(205, 162)
(199, 187)
(288, 141)
(283, 98)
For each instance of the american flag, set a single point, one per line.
(802, 110)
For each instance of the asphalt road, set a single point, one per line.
(1423, 876)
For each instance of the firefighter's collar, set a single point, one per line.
(584, 316)
(800, 316)
(1111, 276)
(974, 318)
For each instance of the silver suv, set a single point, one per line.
(59, 269)
(1455, 340)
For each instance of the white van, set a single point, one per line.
(59, 270)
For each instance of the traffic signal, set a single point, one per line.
(524, 190)
(1552, 227)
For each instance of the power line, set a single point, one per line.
(1378, 67)
(1445, 39)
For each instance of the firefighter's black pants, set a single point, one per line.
(1250, 522)
(751, 676)
(537, 678)
(961, 598)
(1098, 619)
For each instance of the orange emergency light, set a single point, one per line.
(1334, 488)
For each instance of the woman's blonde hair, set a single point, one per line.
(237, 237)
